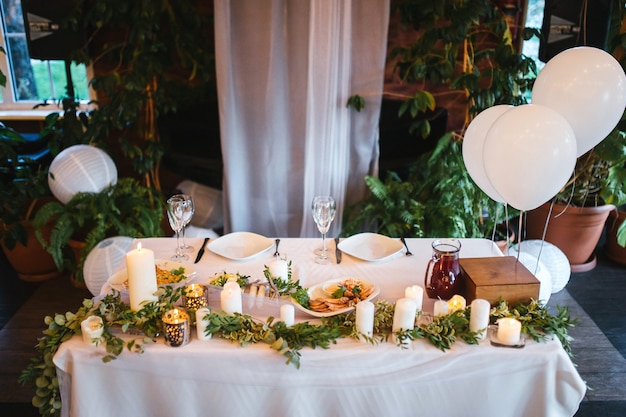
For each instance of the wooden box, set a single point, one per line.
(499, 277)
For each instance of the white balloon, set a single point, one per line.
(529, 155)
(473, 144)
(588, 87)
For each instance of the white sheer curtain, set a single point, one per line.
(285, 69)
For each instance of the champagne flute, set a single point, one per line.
(175, 208)
(188, 211)
(324, 209)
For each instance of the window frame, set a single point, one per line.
(10, 107)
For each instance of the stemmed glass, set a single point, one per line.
(175, 210)
(188, 211)
(324, 209)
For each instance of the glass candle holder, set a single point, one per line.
(176, 327)
(195, 296)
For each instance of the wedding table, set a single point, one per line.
(219, 378)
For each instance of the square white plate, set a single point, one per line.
(370, 246)
(240, 246)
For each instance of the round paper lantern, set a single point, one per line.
(538, 269)
(106, 258)
(80, 168)
(553, 258)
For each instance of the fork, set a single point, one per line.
(276, 254)
(408, 252)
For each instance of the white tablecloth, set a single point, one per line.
(218, 378)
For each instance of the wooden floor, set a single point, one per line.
(597, 298)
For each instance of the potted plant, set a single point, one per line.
(462, 59)
(126, 208)
(438, 199)
(148, 61)
(24, 188)
(597, 186)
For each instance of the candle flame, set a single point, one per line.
(139, 246)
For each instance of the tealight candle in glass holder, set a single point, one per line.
(176, 327)
(195, 296)
(91, 329)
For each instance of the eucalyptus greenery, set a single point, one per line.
(125, 329)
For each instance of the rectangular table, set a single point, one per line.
(218, 378)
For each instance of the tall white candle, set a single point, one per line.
(279, 268)
(230, 298)
(141, 271)
(365, 318)
(404, 315)
(479, 316)
(509, 330)
(91, 329)
(416, 293)
(202, 324)
(287, 314)
(441, 308)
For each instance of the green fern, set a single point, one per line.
(123, 209)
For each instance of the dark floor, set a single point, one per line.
(596, 298)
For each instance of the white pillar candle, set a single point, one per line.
(404, 315)
(279, 268)
(91, 329)
(457, 302)
(441, 308)
(509, 330)
(365, 318)
(201, 323)
(141, 272)
(479, 316)
(287, 314)
(416, 293)
(230, 298)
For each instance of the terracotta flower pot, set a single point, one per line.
(574, 230)
(613, 250)
(31, 262)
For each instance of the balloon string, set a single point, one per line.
(519, 231)
(543, 236)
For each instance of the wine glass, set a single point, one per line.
(188, 211)
(324, 209)
(175, 209)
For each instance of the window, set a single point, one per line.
(534, 19)
(32, 81)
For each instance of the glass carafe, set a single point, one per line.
(443, 276)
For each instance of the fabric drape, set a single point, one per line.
(285, 70)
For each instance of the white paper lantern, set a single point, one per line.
(538, 269)
(80, 168)
(553, 258)
(106, 258)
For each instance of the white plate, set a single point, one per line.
(370, 246)
(119, 280)
(317, 291)
(240, 245)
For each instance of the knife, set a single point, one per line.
(201, 251)
(337, 251)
